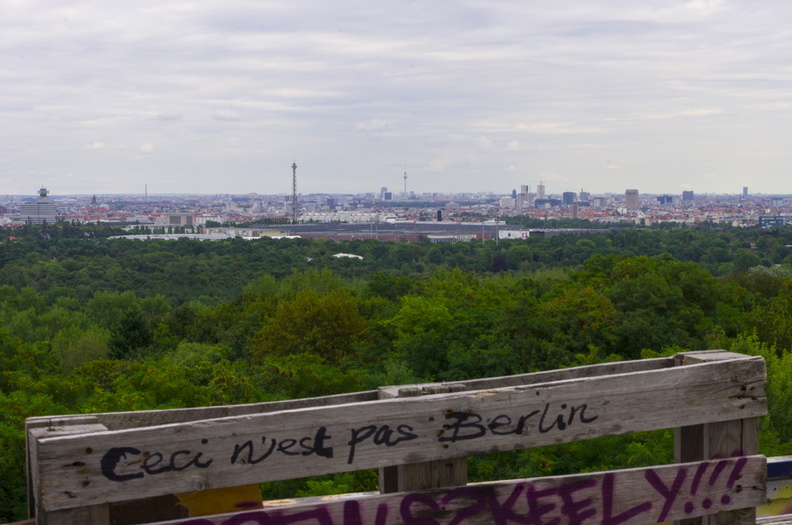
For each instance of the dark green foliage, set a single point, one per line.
(131, 336)
(92, 324)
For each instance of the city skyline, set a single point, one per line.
(472, 97)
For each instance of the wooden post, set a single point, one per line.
(724, 439)
(427, 474)
(59, 426)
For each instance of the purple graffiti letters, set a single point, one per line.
(576, 510)
(406, 511)
(669, 494)
(658, 493)
(607, 504)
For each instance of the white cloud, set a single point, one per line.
(166, 117)
(97, 145)
(699, 112)
(704, 6)
(225, 116)
(774, 106)
(373, 125)
(146, 148)
(484, 141)
(513, 146)
(558, 128)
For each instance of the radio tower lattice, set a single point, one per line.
(294, 192)
(405, 180)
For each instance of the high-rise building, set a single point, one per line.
(745, 191)
(574, 211)
(631, 198)
(540, 191)
(687, 196)
(39, 212)
(568, 198)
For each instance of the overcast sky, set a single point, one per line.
(221, 96)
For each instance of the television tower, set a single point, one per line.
(294, 192)
(405, 180)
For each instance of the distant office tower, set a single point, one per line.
(631, 198)
(540, 191)
(600, 202)
(514, 194)
(687, 196)
(745, 191)
(39, 212)
(665, 199)
(525, 188)
(568, 198)
(574, 211)
(507, 202)
(584, 196)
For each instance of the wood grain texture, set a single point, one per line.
(147, 418)
(354, 436)
(626, 497)
(716, 440)
(433, 474)
(144, 418)
(37, 485)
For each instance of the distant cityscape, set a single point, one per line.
(212, 214)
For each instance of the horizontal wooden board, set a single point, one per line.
(625, 497)
(145, 418)
(111, 466)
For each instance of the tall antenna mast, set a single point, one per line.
(294, 192)
(405, 179)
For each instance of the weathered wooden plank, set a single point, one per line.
(717, 440)
(283, 445)
(434, 474)
(138, 419)
(53, 425)
(773, 520)
(625, 497)
(144, 418)
(535, 378)
(86, 514)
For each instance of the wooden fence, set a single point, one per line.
(202, 466)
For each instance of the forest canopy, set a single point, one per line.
(91, 324)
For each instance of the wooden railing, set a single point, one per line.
(156, 466)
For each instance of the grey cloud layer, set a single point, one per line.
(475, 95)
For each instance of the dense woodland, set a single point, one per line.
(92, 324)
